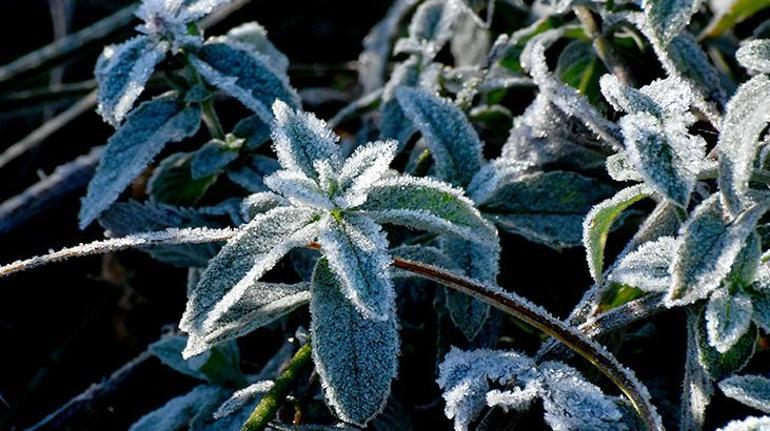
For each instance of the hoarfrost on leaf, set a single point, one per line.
(728, 317)
(667, 18)
(755, 55)
(748, 424)
(754, 391)
(647, 267)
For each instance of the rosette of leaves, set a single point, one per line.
(242, 64)
(317, 196)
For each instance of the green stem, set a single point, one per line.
(211, 119)
(604, 49)
(268, 406)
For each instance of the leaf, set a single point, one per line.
(667, 161)
(247, 256)
(245, 75)
(251, 175)
(430, 27)
(709, 247)
(300, 140)
(393, 123)
(748, 424)
(747, 116)
(172, 183)
(761, 303)
(755, 55)
(545, 207)
(133, 217)
(453, 143)
(647, 267)
(620, 168)
(242, 397)
(728, 317)
(628, 99)
(754, 391)
(698, 386)
(738, 11)
(470, 42)
(356, 250)
(298, 189)
(423, 203)
(122, 72)
(578, 67)
(720, 365)
(364, 167)
(211, 159)
(356, 357)
(258, 203)
(667, 18)
(253, 130)
(255, 36)
(177, 413)
(169, 351)
(133, 146)
(599, 221)
(261, 304)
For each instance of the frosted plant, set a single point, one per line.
(319, 196)
(570, 403)
(748, 424)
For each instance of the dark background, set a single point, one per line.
(68, 325)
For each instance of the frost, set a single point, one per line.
(177, 413)
(647, 267)
(720, 365)
(169, 19)
(259, 203)
(363, 168)
(212, 158)
(356, 358)
(427, 204)
(627, 99)
(298, 189)
(728, 317)
(453, 143)
(242, 397)
(430, 28)
(747, 116)
(255, 36)
(761, 305)
(357, 253)
(599, 221)
(146, 131)
(620, 168)
(667, 18)
(748, 424)
(245, 75)
(698, 386)
(709, 247)
(122, 72)
(755, 55)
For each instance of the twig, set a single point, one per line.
(42, 195)
(603, 47)
(25, 98)
(34, 61)
(268, 406)
(47, 129)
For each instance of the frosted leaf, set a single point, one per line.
(547, 208)
(252, 174)
(453, 143)
(357, 253)
(197, 9)
(708, 249)
(242, 397)
(169, 351)
(624, 98)
(260, 304)
(244, 75)
(667, 18)
(431, 26)
(571, 403)
(394, 124)
(754, 391)
(212, 158)
(620, 168)
(258, 203)
(518, 399)
(423, 203)
(720, 365)
(761, 303)
(755, 55)
(479, 262)
(171, 182)
(177, 413)
(493, 176)
(598, 223)
(133, 146)
(470, 42)
(748, 113)
(300, 139)
(363, 168)
(465, 379)
(728, 317)
(132, 217)
(668, 161)
(247, 256)
(253, 131)
(219, 366)
(122, 72)
(356, 357)
(255, 36)
(298, 189)
(647, 267)
(749, 424)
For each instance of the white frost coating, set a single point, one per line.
(698, 386)
(177, 413)
(494, 175)
(749, 424)
(363, 168)
(754, 391)
(255, 36)
(242, 397)
(728, 317)
(430, 28)
(755, 55)
(647, 267)
(299, 139)
(748, 113)
(258, 203)
(298, 189)
(357, 252)
(708, 249)
(145, 239)
(516, 399)
(667, 18)
(620, 168)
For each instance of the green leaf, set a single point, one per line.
(720, 365)
(599, 221)
(133, 146)
(356, 358)
(647, 267)
(754, 391)
(728, 317)
(172, 182)
(738, 11)
(579, 68)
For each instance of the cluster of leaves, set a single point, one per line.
(419, 160)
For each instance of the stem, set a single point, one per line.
(211, 119)
(604, 49)
(268, 406)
